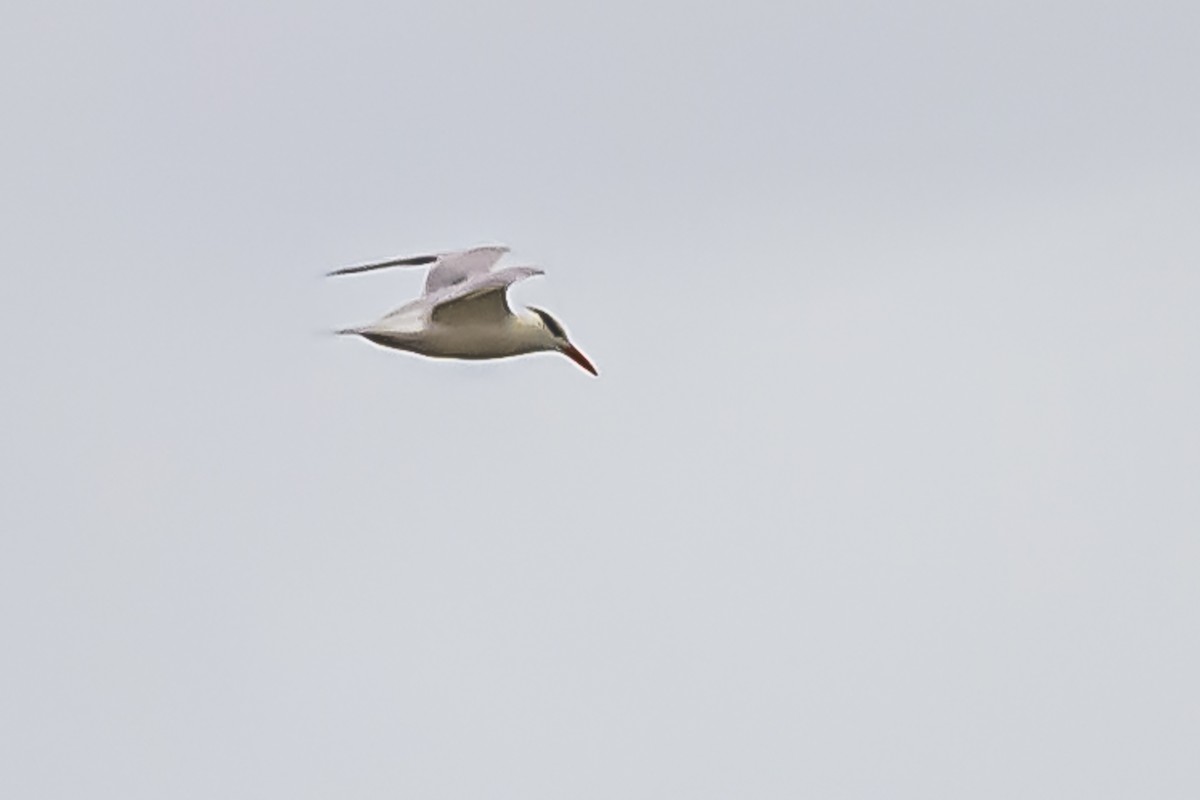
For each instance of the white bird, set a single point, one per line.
(464, 311)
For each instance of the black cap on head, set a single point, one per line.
(550, 322)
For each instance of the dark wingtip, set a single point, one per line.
(413, 261)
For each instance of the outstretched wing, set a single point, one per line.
(455, 268)
(479, 299)
(449, 269)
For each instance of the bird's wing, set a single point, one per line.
(477, 299)
(453, 269)
(408, 261)
(449, 269)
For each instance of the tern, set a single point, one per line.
(464, 312)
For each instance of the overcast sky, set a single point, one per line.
(888, 487)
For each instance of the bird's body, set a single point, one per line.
(412, 330)
(464, 312)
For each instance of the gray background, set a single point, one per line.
(888, 486)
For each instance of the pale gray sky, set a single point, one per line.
(888, 486)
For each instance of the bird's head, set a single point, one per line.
(556, 338)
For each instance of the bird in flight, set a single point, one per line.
(464, 312)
